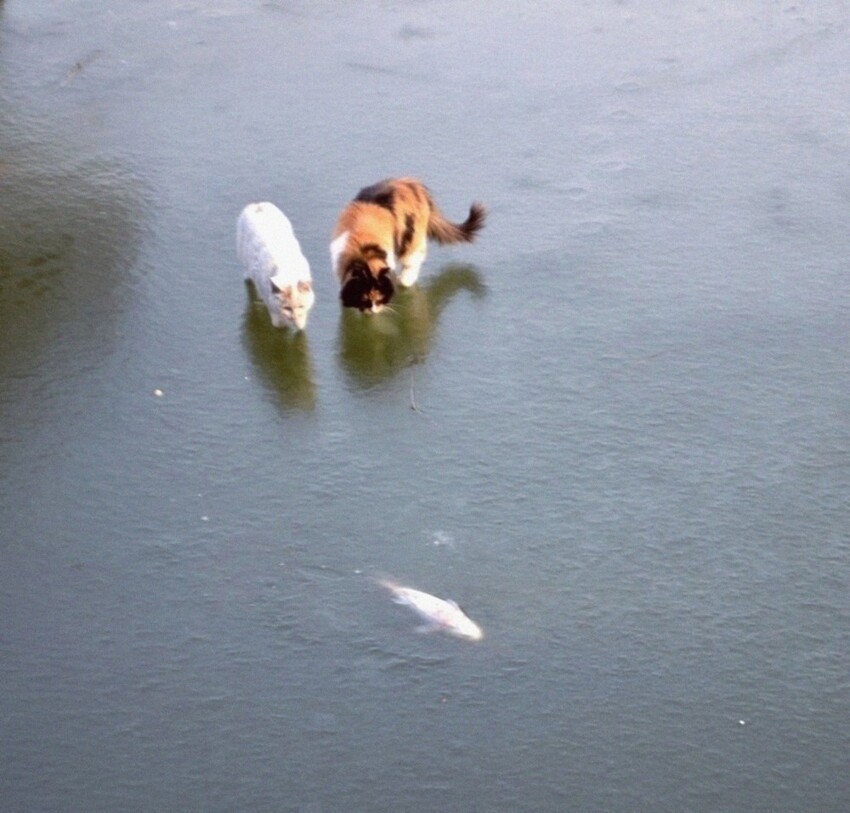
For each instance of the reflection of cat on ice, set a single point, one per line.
(380, 347)
(282, 359)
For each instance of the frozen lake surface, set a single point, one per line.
(629, 456)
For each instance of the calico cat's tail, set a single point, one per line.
(443, 231)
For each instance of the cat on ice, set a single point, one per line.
(273, 262)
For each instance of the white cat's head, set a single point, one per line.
(292, 302)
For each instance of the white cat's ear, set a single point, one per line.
(304, 286)
(279, 287)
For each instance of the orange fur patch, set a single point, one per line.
(385, 225)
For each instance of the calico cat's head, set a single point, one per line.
(292, 302)
(365, 289)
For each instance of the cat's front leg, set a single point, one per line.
(410, 267)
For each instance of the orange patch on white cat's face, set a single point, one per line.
(294, 303)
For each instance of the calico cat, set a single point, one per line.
(272, 260)
(381, 236)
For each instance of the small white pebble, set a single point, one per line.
(205, 519)
(742, 722)
(158, 393)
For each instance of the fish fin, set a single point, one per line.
(454, 604)
(425, 629)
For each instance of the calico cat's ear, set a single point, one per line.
(304, 286)
(385, 285)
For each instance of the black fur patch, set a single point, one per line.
(354, 293)
(357, 269)
(379, 194)
(358, 290)
(406, 238)
(385, 285)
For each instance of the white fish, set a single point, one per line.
(438, 613)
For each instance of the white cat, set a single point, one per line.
(272, 260)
